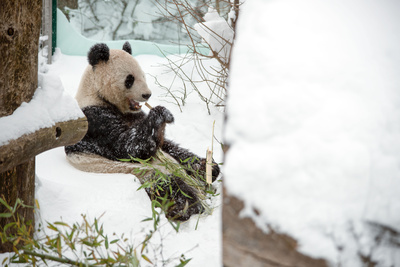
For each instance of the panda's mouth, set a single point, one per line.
(134, 106)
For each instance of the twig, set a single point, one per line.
(56, 259)
(148, 105)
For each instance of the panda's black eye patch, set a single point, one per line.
(129, 81)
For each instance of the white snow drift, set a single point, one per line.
(314, 123)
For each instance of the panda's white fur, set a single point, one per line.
(106, 80)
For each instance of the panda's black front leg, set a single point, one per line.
(148, 136)
(156, 120)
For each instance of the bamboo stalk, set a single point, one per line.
(148, 105)
(209, 166)
(209, 162)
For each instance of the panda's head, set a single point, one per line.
(117, 77)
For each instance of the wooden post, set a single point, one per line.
(19, 33)
(18, 182)
(20, 22)
(47, 28)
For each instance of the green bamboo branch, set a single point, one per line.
(57, 259)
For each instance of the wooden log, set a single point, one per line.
(27, 146)
(244, 244)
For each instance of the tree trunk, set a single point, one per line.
(18, 182)
(244, 244)
(20, 22)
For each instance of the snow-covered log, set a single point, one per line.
(20, 150)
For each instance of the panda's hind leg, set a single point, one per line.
(180, 201)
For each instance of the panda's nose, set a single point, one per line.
(146, 96)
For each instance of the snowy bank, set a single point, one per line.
(315, 146)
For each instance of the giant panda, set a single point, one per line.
(110, 92)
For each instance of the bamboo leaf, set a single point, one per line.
(146, 259)
(62, 223)
(15, 243)
(2, 201)
(183, 262)
(37, 203)
(125, 160)
(143, 247)
(16, 250)
(186, 195)
(59, 246)
(52, 227)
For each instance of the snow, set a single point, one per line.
(64, 193)
(49, 105)
(217, 33)
(314, 146)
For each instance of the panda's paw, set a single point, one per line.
(163, 113)
(185, 201)
(197, 167)
(184, 210)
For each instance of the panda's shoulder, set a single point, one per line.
(110, 113)
(95, 112)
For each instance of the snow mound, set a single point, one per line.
(316, 145)
(49, 105)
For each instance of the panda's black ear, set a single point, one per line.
(127, 47)
(97, 53)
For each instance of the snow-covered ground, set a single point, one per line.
(313, 124)
(64, 193)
